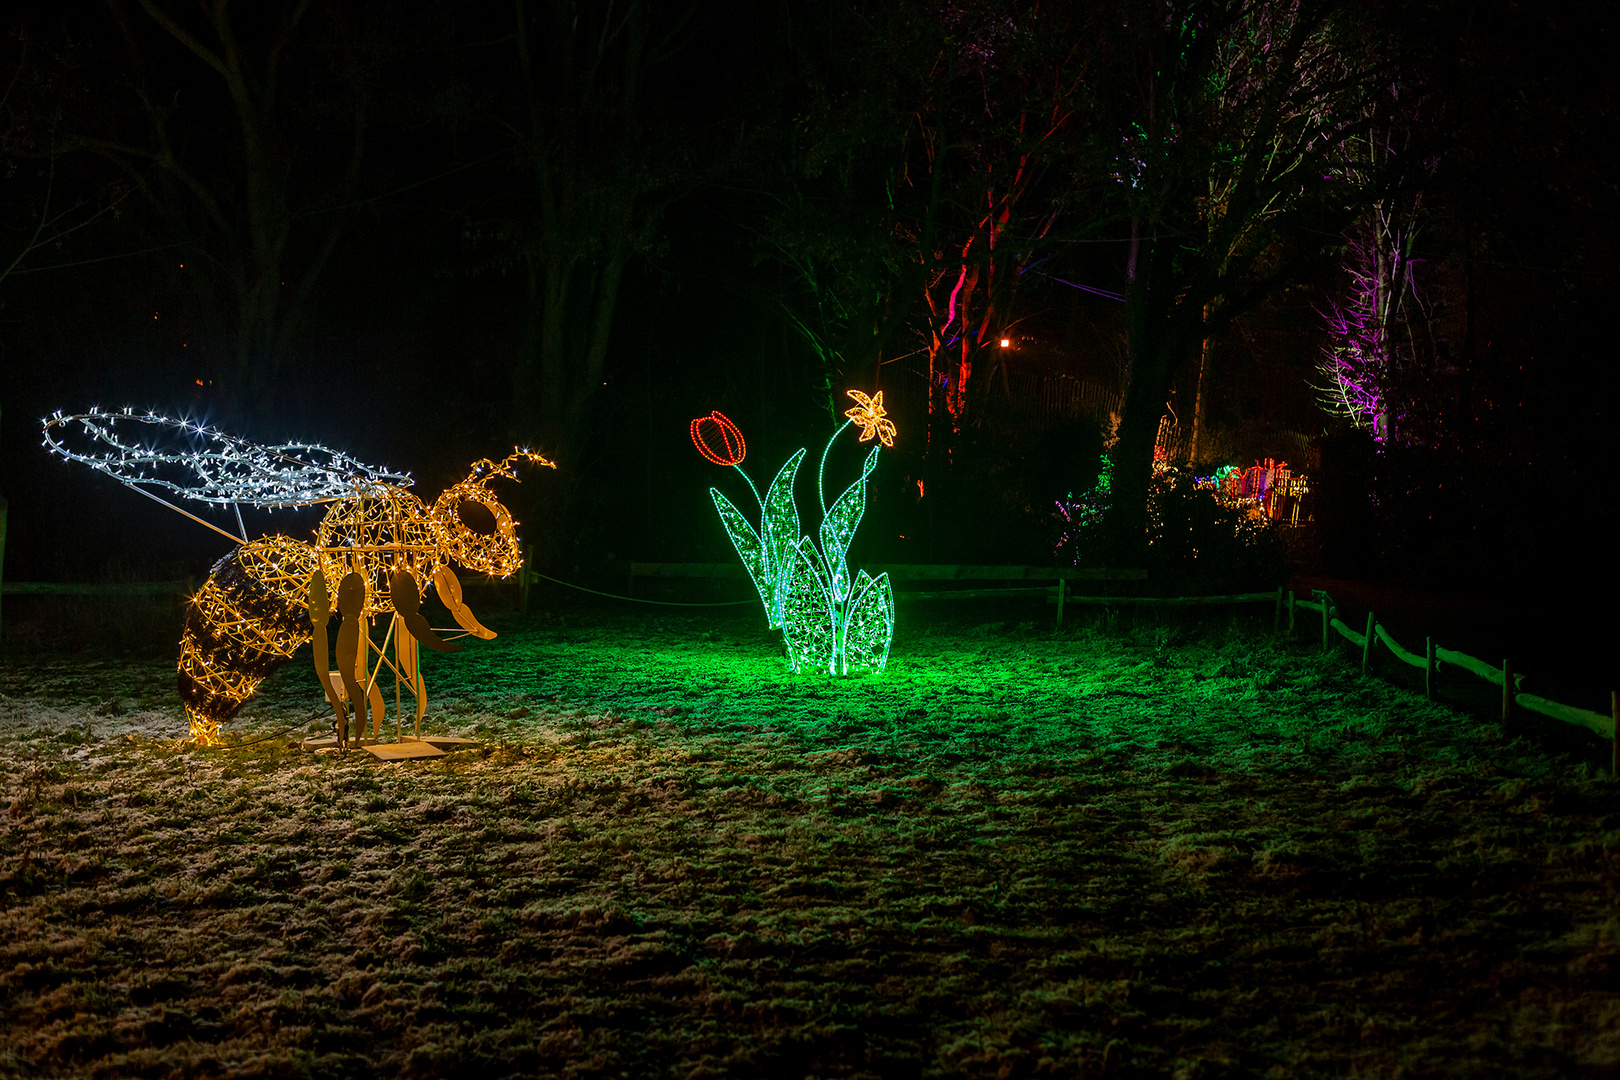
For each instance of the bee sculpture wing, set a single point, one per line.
(193, 461)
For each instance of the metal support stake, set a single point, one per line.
(1366, 645)
(1614, 736)
(2, 540)
(1062, 589)
(1428, 668)
(1507, 697)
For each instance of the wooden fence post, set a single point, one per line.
(2, 540)
(1290, 611)
(1428, 668)
(1507, 696)
(1327, 618)
(1366, 645)
(1061, 590)
(1276, 616)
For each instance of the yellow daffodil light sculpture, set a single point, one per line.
(831, 621)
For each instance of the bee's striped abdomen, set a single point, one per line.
(246, 621)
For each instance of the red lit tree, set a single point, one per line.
(919, 186)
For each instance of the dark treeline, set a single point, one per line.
(424, 232)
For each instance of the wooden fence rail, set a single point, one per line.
(111, 588)
(906, 572)
(1604, 726)
(1432, 657)
(910, 572)
(105, 588)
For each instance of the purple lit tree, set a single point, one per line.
(1373, 326)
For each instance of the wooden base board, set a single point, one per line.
(443, 742)
(408, 748)
(403, 751)
(330, 742)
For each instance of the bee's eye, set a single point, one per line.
(477, 517)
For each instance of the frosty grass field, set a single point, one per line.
(1184, 851)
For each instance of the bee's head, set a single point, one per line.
(470, 524)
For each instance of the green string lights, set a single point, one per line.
(830, 621)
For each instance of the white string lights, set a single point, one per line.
(207, 465)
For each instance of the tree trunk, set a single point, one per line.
(1204, 348)
(1160, 336)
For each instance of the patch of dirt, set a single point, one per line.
(1016, 853)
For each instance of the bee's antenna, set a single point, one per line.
(485, 468)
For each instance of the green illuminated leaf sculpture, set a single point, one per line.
(829, 622)
(809, 615)
(781, 532)
(870, 625)
(750, 547)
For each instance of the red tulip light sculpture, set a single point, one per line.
(715, 430)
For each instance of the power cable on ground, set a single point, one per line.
(639, 600)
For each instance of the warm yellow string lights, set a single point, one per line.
(248, 617)
(471, 527)
(868, 413)
(254, 611)
(373, 535)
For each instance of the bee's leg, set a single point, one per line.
(369, 690)
(406, 596)
(350, 648)
(448, 586)
(320, 613)
(376, 699)
(407, 662)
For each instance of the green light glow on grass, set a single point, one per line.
(831, 621)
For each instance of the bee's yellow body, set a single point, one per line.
(253, 612)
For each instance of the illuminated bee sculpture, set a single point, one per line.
(378, 546)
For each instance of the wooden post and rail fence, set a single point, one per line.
(1429, 661)
(1286, 605)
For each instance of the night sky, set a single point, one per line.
(389, 186)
